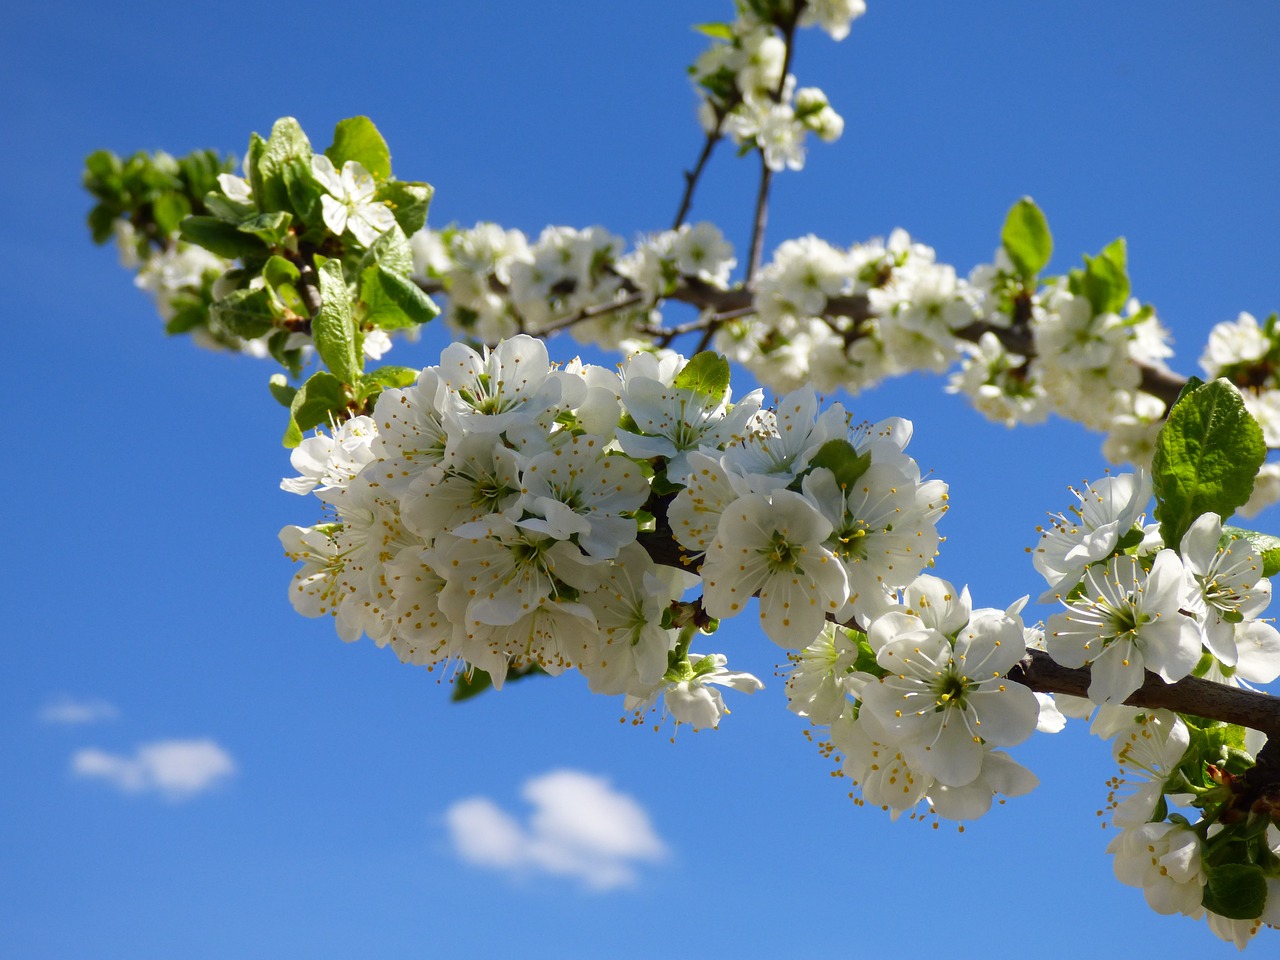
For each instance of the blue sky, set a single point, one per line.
(143, 569)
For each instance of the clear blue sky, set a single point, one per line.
(143, 569)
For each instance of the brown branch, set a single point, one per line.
(1201, 698)
(1041, 673)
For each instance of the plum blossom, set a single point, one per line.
(349, 203)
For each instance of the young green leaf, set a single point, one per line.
(1268, 547)
(1207, 455)
(1237, 891)
(244, 313)
(317, 401)
(1105, 281)
(706, 374)
(718, 31)
(356, 138)
(334, 327)
(1026, 239)
(271, 228)
(408, 200)
(220, 237)
(287, 146)
(169, 210)
(843, 460)
(281, 390)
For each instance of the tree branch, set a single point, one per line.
(1201, 698)
(691, 176)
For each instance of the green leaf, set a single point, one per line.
(253, 166)
(1105, 280)
(356, 138)
(719, 31)
(169, 210)
(314, 403)
(1207, 455)
(220, 237)
(1237, 891)
(392, 301)
(843, 460)
(1026, 239)
(245, 313)
(392, 250)
(334, 327)
(1268, 547)
(408, 200)
(393, 376)
(187, 318)
(304, 193)
(102, 223)
(282, 277)
(287, 146)
(281, 390)
(471, 683)
(271, 228)
(706, 374)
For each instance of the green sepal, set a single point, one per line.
(287, 145)
(356, 138)
(1237, 891)
(840, 457)
(1267, 546)
(1026, 239)
(281, 389)
(334, 327)
(220, 237)
(392, 301)
(271, 228)
(1207, 454)
(314, 403)
(244, 313)
(408, 200)
(472, 682)
(169, 210)
(706, 374)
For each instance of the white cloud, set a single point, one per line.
(68, 711)
(177, 769)
(580, 827)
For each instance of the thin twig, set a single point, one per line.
(691, 177)
(760, 222)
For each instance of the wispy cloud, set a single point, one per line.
(71, 712)
(176, 769)
(580, 827)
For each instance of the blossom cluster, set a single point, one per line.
(492, 514)
(1133, 604)
(852, 317)
(918, 705)
(1171, 856)
(745, 88)
(499, 284)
